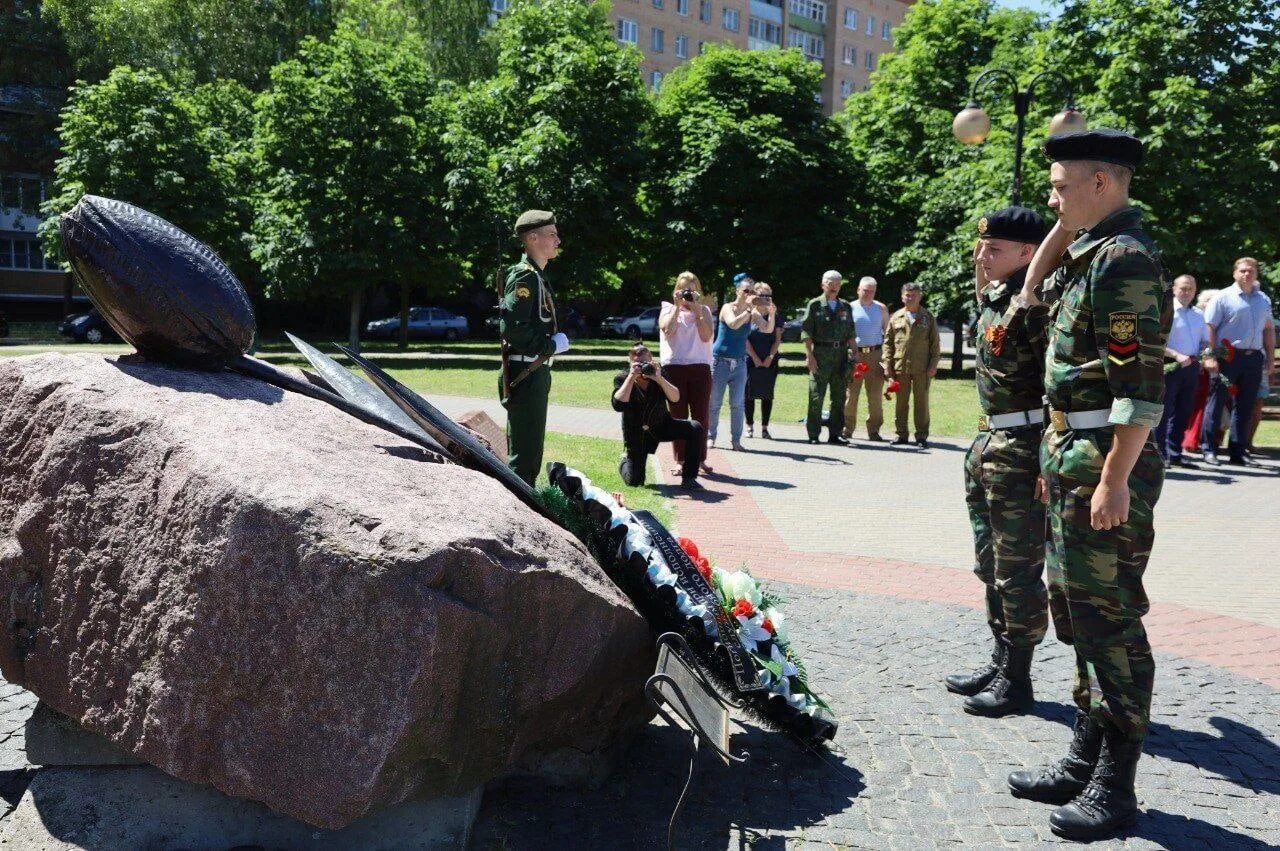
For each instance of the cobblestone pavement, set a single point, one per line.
(917, 772)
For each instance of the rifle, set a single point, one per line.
(500, 286)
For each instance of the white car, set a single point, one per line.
(636, 324)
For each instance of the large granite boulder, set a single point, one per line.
(248, 588)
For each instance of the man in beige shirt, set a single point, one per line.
(912, 350)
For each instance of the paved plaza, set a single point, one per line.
(870, 547)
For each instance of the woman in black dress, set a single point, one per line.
(762, 366)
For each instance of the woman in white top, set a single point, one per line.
(685, 329)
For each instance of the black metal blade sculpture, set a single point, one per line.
(457, 440)
(357, 391)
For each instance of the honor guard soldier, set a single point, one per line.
(1104, 379)
(530, 339)
(1002, 465)
(828, 332)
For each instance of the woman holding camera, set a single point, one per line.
(729, 353)
(762, 364)
(685, 327)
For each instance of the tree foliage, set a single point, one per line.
(349, 168)
(178, 153)
(557, 128)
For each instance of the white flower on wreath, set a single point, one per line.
(779, 623)
(740, 586)
(751, 631)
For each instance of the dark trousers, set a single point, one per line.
(1179, 396)
(693, 380)
(633, 464)
(766, 411)
(1245, 373)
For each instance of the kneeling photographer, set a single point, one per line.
(641, 395)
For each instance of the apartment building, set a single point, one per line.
(847, 37)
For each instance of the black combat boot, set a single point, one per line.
(1108, 804)
(1010, 692)
(972, 682)
(1066, 778)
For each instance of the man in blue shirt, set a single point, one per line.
(1187, 339)
(1240, 316)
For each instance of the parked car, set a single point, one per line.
(4, 325)
(88, 327)
(424, 322)
(791, 328)
(636, 324)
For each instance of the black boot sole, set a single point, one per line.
(968, 692)
(1002, 711)
(1095, 834)
(1057, 799)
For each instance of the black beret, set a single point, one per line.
(1104, 145)
(532, 220)
(1015, 223)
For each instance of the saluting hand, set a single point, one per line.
(1109, 507)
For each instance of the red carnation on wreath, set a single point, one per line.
(768, 627)
(689, 547)
(860, 369)
(704, 567)
(894, 387)
(743, 609)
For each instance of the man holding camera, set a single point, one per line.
(641, 395)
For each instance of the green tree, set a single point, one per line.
(198, 40)
(350, 172)
(925, 191)
(135, 137)
(559, 128)
(453, 35)
(748, 174)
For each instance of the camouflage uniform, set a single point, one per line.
(1107, 332)
(1001, 468)
(831, 332)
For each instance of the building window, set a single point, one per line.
(657, 40)
(704, 11)
(851, 19)
(846, 88)
(871, 60)
(21, 193)
(498, 6)
(628, 31)
(732, 20)
(849, 55)
(682, 46)
(657, 4)
(655, 80)
(885, 31)
(814, 10)
(871, 24)
(812, 46)
(20, 253)
(763, 30)
(682, 7)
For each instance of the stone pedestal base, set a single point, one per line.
(142, 807)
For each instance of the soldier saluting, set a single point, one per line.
(530, 338)
(1104, 382)
(1002, 465)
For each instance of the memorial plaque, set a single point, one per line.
(710, 718)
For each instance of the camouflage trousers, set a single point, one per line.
(1000, 471)
(1096, 575)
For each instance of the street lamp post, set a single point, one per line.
(971, 124)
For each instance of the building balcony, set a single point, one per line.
(766, 11)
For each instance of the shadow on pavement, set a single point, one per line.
(1177, 832)
(781, 788)
(747, 483)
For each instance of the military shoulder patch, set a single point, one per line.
(522, 292)
(1122, 337)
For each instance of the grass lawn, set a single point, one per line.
(468, 369)
(597, 457)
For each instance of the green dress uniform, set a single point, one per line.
(831, 330)
(528, 321)
(1105, 367)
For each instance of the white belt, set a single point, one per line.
(1068, 420)
(1017, 419)
(526, 359)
